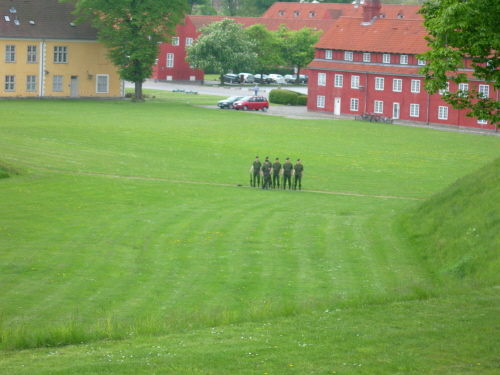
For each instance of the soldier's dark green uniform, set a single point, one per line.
(299, 170)
(267, 159)
(256, 170)
(276, 173)
(266, 175)
(287, 173)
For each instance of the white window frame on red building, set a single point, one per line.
(354, 105)
(415, 86)
(170, 60)
(339, 80)
(321, 79)
(379, 83)
(354, 82)
(442, 112)
(484, 90)
(397, 85)
(320, 101)
(414, 110)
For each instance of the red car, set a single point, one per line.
(252, 102)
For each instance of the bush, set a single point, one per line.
(284, 96)
(302, 100)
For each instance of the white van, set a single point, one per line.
(277, 78)
(247, 77)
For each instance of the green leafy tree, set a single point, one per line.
(267, 47)
(132, 31)
(204, 10)
(463, 30)
(253, 8)
(229, 7)
(298, 46)
(224, 46)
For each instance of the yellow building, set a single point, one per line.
(44, 54)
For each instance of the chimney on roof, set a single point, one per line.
(371, 9)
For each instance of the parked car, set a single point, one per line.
(277, 78)
(264, 79)
(252, 102)
(228, 103)
(303, 78)
(292, 78)
(231, 78)
(247, 77)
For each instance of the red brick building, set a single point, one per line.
(172, 65)
(367, 63)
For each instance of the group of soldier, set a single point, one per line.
(272, 174)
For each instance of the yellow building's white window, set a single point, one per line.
(102, 83)
(10, 53)
(30, 83)
(10, 83)
(60, 55)
(57, 83)
(31, 55)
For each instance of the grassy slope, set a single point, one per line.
(87, 246)
(455, 232)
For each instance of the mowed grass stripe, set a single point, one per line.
(138, 247)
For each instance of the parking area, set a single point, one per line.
(214, 88)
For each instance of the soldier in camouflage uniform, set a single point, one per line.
(298, 172)
(287, 173)
(256, 171)
(276, 173)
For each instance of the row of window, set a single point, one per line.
(378, 108)
(60, 54)
(367, 57)
(57, 83)
(397, 84)
(176, 41)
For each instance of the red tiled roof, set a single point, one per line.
(331, 11)
(50, 17)
(383, 35)
(270, 23)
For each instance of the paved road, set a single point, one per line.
(213, 87)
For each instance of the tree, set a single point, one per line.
(132, 31)
(229, 7)
(298, 46)
(253, 8)
(267, 47)
(224, 46)
(463, 31)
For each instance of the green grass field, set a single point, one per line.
(128, 246)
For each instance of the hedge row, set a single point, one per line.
(283, 96)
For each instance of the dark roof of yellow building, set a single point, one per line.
(42, 19)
